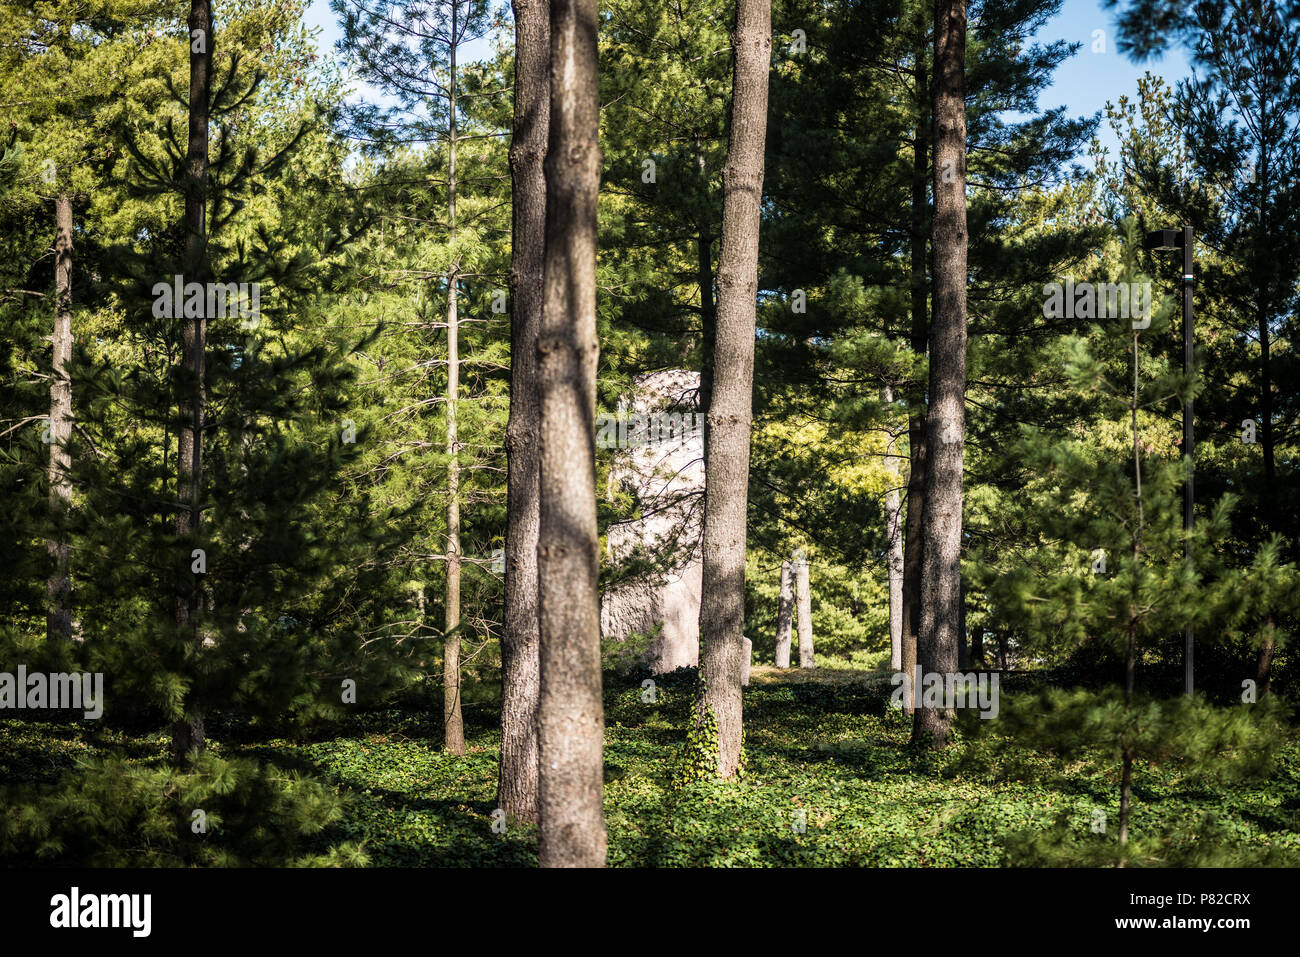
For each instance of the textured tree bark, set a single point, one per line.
(188, 734)
(58, 617)
(785, 616)
(803, 603)
(946, 421)
(920, 339)
(453, 727)
(722, 609)
(894, 534)
(571, 716)
(517, 782)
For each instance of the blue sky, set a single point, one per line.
(320, 15)
(1082, 83)
(1086, 81)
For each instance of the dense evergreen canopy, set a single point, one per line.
(275, 473)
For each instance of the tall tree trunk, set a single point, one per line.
(453, 727)
(722, 608)
(785, 615)
(803, 605)
(188, 734)
(894, 534)
(517, 784)
(58, 617)
(946, 421)
(920, 339)
(571, 720)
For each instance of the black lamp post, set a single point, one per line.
(1163, 240)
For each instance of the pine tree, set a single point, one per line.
(571, 721)
(664, 124)
(261, 546)
(727, 444)
(66, 63)
(278, 543)
(1108, 573)
(517, 782)
(1247, 159)
(411, 47)
(853, 109)
(946, 417)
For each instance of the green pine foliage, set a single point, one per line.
(1112, 575)
(238, 812)
(325, 466)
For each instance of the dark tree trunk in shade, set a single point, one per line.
(722, 609)
(58, 617)
(946, 418)
(188, 735)
(977, 647)
(571, 720)
(920, 338)
(894, 536)
(517, 782)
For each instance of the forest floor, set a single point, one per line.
(830, 780)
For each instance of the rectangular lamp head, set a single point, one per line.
(1164, 239)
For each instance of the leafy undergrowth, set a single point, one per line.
(830, 781)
